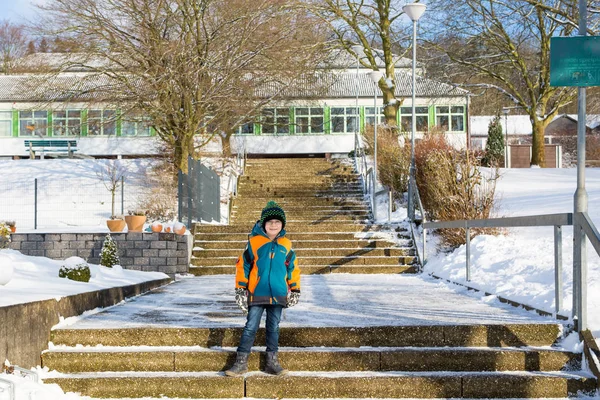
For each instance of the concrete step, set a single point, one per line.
(311, 236)
(293, 227)
(315, 209)
(501, 335)
(278, 195)
(358, 244)
(198, 270)
(294, 219)
(303, 212)
(309, 180)
(257, 203)
(327, 385)
(389, 252)
(192, 359)
(359, 260)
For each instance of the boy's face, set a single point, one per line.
(273, 227)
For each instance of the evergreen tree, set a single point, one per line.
(43, 47)
(108, 255)
(30, 47)
(494, 148)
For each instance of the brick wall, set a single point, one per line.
(163, 252)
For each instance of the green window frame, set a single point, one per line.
(33, 123)
(101, 122)
(276, 120)
(345, 119)
(6, 123)
(67, 123)
(135, 125)
(422, 114)
(309, 120)
(246, 129)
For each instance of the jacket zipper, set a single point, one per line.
(271, 267)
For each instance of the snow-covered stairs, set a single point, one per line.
(440, 361)
(327, 221)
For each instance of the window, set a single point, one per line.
(309, 120)
(135, 125)
(33, 123)
(422, 114)
(344, 119)
(5, 123)
(102, 122)
(450, 119)
(370, 115)
(66, 123)
(276, 120)
(246, 129)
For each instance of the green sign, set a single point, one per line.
(575, 61)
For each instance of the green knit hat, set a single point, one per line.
(272, 211)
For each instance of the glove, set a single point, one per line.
(241, 298)
(292, 298)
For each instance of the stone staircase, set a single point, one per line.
(495, 361)
(327, 221)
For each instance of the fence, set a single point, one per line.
(63, 203)
(199, 194)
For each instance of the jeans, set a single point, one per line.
(254, 315)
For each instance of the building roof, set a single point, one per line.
(341, 59)
(87, 87)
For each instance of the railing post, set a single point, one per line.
(35, 203)
(558, 268)
(468, 248)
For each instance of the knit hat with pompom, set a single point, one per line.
(272, 211)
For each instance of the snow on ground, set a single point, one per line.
(36, 278)
(520, 264)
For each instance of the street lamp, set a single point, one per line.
(414, 12)
(375, 77)
(505, 111)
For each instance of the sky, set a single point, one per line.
(17, 11)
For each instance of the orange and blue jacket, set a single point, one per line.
(268, 269)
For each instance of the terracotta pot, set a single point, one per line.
(115, 225)
(168, 229)
(180, 231)
(13, 229)
(135, 223)
(156, 228)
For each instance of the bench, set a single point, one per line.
(51, 146)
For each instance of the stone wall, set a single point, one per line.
(162, 252)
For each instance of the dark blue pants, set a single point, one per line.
(254, 315)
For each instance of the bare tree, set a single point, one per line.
(111, 173)
(191, 66)
(13, 45)
(505, 45)
(370, 24)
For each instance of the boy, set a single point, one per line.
(267, 278)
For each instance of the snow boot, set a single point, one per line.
(241, 365)
(272, 367)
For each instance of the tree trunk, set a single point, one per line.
(537, 142)
(184, 147)
(391, 109)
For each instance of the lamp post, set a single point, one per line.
(414, 12)
(505, 111)
(375, 77)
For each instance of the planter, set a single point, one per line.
(135, 223)
(157, 228)
(6, 273)
(115, 225)
(179, 229)
(167, 229)
(13, 229)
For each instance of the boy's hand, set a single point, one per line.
(292, 298)
(241, 298)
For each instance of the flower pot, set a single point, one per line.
(13, 229)
(156, 228)
(168, 229)
(6, 273)
(115, 225)
(135, 223)
(180, 230)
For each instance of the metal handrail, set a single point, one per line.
(240, 163)
(421, 255)
(555, 220)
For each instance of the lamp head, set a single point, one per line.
(414, 10)
(375, 76)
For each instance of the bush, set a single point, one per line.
(4, 235)
(494, 147)
(160, 202)
(79, 272)
(393, 160)
(109, 254)
(453, 187)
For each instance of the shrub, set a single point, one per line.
(453, 187)
(79, 272)
(161, 201)
(108, 255)
(393, 160)
(4, 235)
(494, 147)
